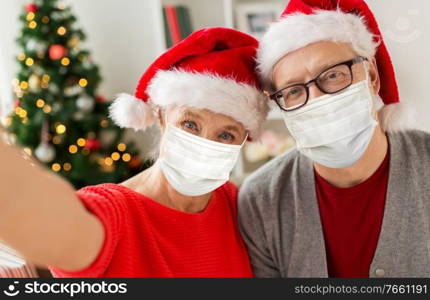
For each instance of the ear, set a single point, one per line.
(161, 119)
(375, 81)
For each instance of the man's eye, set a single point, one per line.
(226, 136)
(190, 125)
(334, 76)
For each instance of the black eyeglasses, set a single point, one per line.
(330, 81)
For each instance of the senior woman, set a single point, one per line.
(175, 219)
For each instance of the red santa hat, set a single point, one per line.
(214, 69)
(351, 21)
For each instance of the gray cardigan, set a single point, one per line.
(280, 221)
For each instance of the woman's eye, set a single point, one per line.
(190, 125)
(226, 136)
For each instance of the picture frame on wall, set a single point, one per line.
(255, 18)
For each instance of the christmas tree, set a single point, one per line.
(58, 117)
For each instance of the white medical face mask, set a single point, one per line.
(334, 130)
(193, 165)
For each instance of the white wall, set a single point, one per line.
(121, 37)
(9, 11)
(405, 26)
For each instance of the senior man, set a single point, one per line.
(353, 198)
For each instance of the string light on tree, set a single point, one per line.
(30, 16)
(126, 157)
(115, 156)
(60, 128)
(47, 109)
(83, 82)
(121, 147)
(81, 142)
(73, 149)
(32, 24)
(23, 85)
(40, 103)
(29, 61)
(61, 30)
(56, 167)
(65, 61)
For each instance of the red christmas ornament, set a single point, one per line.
(57, 51)
(92, 144)
(31, 7)
(100, 99)
(135, 162)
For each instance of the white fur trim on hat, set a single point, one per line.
(299, 30)
(129, 112)
(243, 102)
(396, 117)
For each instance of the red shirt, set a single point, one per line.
(144, 238)
(351, 219)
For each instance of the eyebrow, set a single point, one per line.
(321, 69)
(232, 128)
(190, 114)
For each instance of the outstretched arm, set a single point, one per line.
(40, 215)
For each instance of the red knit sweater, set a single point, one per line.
(144, 238)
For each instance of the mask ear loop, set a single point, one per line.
(366, 70)
(245, 139)
(372, 100)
